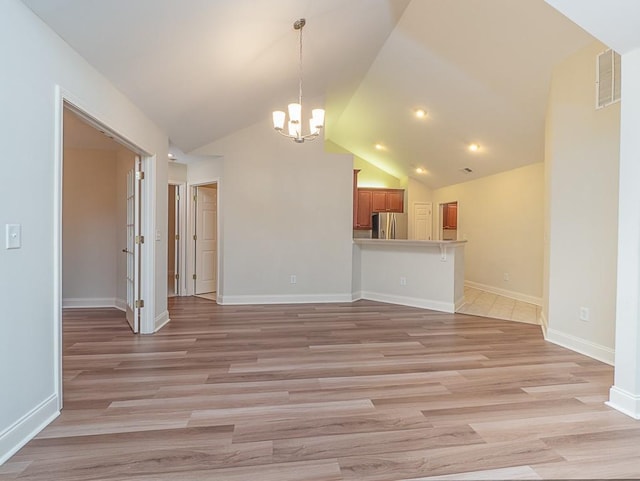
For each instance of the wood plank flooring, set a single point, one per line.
(364, 391)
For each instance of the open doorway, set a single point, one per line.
(449, 221)
(205, 240)
(102, 211)
(100, 207)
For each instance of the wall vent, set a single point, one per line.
(607, 79)
(466, 170)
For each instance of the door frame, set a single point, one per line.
(190, 254)
(181, 189)
(440, 217)
(65, 99)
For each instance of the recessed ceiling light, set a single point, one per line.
(420, 170)
(379, 147)
(474, 147)
(420, 113)
(171, 156)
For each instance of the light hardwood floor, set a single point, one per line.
(364, 391)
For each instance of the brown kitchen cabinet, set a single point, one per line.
(369, 200)
(387, 200)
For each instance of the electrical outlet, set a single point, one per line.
(505, 277)
(403, 281)
(294, 280)
(584, 314)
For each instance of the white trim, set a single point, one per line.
(544, 324)
(285, 299)
(57, 243)
(121, 305)
(93, 303)
(148, 252)
(588, 348)
(624, 401)
(356, 296)
(410, 301)
(459, 303)
(161, 321)
(27, 427)
(505, 293)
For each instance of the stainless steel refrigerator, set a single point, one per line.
(388, 225)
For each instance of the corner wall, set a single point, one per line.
(582, 148)
(501, 217)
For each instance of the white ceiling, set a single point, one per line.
(205, 68)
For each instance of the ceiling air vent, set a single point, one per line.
(608, 79)
(466, 170)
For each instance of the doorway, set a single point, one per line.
(449, 221)
(205, 240)
(99, 260)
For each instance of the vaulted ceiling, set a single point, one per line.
(202, 69)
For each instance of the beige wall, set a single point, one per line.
(371, 176)
(177, 172)
(582, 162)
(501, 217)
(89, 238)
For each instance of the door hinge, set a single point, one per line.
(195, 237)
(194, 277)
(195, 198)
(139, 175)
(177, 276)
(139, 304)
(177, 236)
(177, 196)
(139, 239)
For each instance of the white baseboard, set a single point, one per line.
(161, 321)
(285, 299)
(588, 348)
(544, 324)
(410, 301)
(27, 427)
(624, 401)
(356, 296)
(506, 293)
(92, 303)
(459, 303)
(121, 304)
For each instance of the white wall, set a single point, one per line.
(35, 64)
(177, 173)
(286, 210)
(501, 216)
(89, 231)
(583, 159)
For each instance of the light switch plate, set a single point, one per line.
(13, 236)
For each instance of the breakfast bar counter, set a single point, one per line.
(426, 274)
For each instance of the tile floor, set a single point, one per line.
(486, 304)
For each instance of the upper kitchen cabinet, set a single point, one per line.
(387, 200)
(368, 201)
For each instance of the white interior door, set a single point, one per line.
(134, 243)
(422, 220)
(206, 239)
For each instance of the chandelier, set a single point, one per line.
(294, 126)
